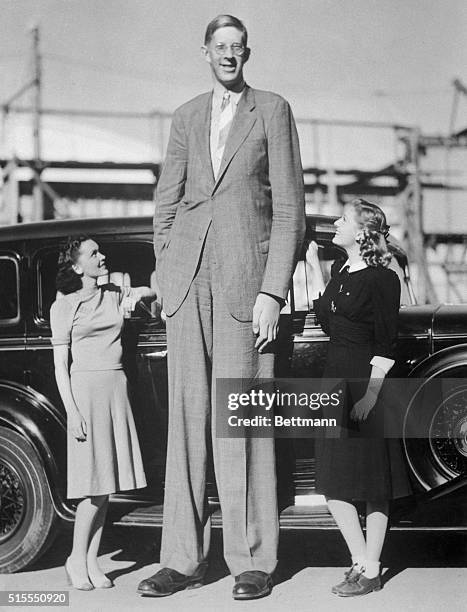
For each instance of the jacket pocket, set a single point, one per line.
(264, 246)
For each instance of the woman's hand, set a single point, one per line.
(77, 425)
(363, 407)
(314, 278)
(312, 254)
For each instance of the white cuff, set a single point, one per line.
(383, 363)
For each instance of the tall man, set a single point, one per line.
(228, 224)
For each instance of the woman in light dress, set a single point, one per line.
(103, 450)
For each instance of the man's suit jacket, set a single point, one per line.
(255, 204)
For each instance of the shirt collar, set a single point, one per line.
(355, 267)
(218, 93)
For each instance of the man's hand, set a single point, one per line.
(77, 425)
(265, 320)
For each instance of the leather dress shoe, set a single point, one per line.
(359, 585)
(168, 581)
(252, 585)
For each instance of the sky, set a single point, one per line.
(381, 60)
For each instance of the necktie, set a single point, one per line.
(225, 122)
(225, 100)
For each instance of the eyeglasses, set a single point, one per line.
(237, 49)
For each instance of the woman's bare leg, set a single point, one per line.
(86, 512)
(95, 573)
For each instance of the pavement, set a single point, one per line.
(423, 571)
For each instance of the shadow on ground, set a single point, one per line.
(139, 547)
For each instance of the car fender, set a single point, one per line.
(33, 416)
(441, 362)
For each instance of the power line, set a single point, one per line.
(98, 114)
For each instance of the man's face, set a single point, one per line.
(224, 54)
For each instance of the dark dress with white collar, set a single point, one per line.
(359, 311)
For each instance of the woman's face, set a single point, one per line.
(347, 228)
(90, 260)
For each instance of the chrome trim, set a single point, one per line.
(426, 336)
(296, 524)
(43, 345)
(450, 337)
(392, 527)
(414, 336)
(19, 347)
(299, 338)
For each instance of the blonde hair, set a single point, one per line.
(374, 231)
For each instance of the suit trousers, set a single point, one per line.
(205, 342)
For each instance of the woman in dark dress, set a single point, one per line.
(359, 310)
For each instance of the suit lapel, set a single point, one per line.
(243, 121)
(202, 128)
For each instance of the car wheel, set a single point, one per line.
(438, 415)
(27, 516)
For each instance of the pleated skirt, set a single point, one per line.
(110, 459)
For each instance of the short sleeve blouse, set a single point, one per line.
(62, 313)
(91, 326)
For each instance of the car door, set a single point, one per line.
(301, 354)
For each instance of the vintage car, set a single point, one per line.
(432, 345)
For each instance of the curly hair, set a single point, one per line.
(67, 280)
(373, 234)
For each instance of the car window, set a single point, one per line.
(302, 287)
(129, 264)
(9, 290)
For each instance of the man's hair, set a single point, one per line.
(225, 21)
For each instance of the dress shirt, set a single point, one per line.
(217, 95)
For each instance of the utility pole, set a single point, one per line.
(10, 193)
(37, 103)
(413, 219)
